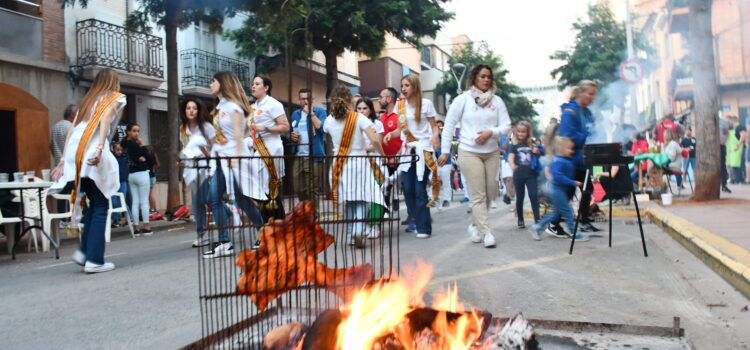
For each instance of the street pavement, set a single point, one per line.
(151, 300)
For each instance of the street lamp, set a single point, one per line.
(458, 67)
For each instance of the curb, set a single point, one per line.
(729, 260)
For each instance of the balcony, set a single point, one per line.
(199, 67)
(678, 16)
(106, 45)
(21, 34)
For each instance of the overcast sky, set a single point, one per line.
(524, 32)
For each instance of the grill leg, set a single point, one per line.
(640, 224)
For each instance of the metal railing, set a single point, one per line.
(199, 67)
(108, 45)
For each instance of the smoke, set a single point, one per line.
(610, 110)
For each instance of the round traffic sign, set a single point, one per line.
(631, 71)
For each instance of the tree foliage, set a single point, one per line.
(519, 107)
(336, 26)
(599, 48)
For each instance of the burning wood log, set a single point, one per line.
(515, 334)
(281, 338)
(287, 258)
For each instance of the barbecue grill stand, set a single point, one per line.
(607, 154)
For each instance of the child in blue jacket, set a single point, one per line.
(563, 171)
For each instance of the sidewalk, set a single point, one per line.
(716, 232)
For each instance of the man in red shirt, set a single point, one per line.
(389, 119)
(666, 123)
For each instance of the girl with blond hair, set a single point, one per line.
(93, 172)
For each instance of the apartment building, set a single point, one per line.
(34, 84)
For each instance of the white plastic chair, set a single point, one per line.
(122, 209)
(31, 212)
(10, 230)
(49, 217)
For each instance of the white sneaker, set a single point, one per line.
(374, 232)
(493, 205)
(220, 249)
(489, 240)
(96, 268)
(423, 235)
(200, 242)
(474, 233)
(79, 258)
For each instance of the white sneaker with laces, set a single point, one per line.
(493, 205)
(474, 233)
(200, 242)
(79, 258)
(221, 249)
(96, 268)
(489, 240)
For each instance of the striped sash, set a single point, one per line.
(341, 156)
(429, 160)
(220, 138)
(274, 183)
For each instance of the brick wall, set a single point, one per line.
(53, 31)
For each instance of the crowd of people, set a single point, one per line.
(238, 165)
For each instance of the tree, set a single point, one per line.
(705, 92)
(173, 15)
(335, 26)
(519, 107)
(598, 50)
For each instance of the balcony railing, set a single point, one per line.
(199, 67)
(107, 45)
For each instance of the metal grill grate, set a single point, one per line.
(308, 273)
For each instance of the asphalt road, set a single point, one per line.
(150, 301)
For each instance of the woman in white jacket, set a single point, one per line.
(483, 118)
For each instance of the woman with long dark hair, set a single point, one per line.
(484, 119)
(139, 179)
(196, 133)
(92, 171)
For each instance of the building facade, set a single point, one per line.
(34, 84)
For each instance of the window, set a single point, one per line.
(27, 7)
(427, 56)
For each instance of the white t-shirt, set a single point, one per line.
(422, 130)
(225, 110)
(266, 111)
(335, 128)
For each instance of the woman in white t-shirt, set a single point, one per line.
(483, 118)
(196, 134)
(418, 116)
(229, 176)
(269, 122)
(355, 185)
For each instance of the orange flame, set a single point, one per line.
(381, 310)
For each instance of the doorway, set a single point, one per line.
(8, 160)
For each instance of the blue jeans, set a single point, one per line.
(94, 219)
(217, 189)
(355, 210)
(559, 197)
(522, 183)
(688, 167)
(200, 199)
(415, 194)
(139, 188)
(116, 217)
